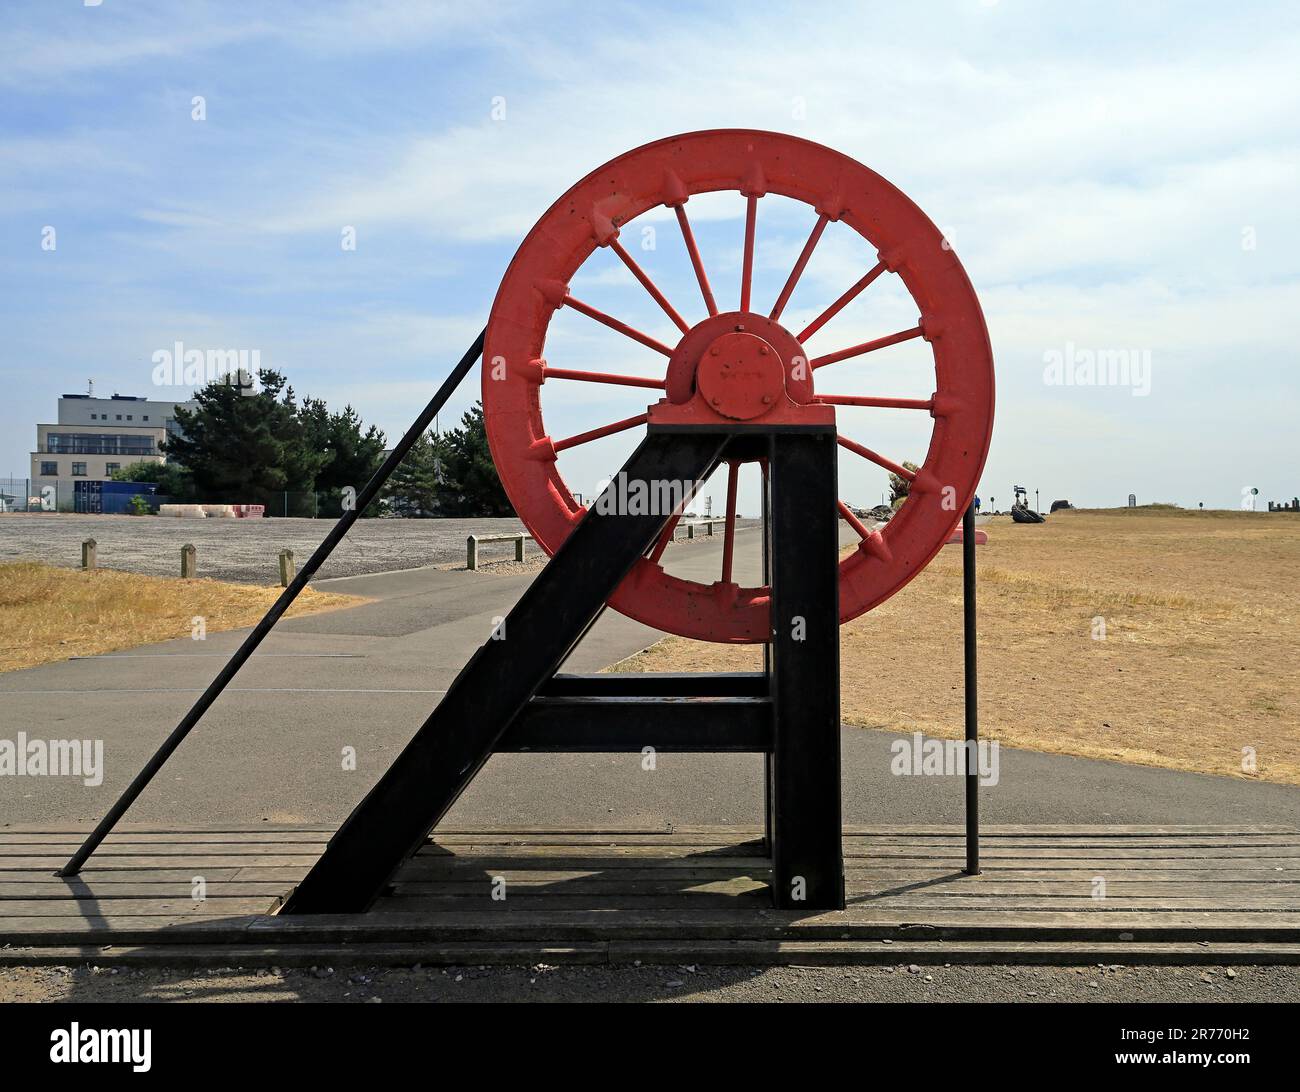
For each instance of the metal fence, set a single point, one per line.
(60, 495)
(26, 495)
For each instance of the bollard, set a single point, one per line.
(189, 561)
(690, 530)
(88, 553)
(519, 548)
(708, 530)
(287, 569)
(471, 552)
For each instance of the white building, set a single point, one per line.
(95, 436)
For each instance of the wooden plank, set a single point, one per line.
(90, 909)
(90, 879)
(1006, 904)
(80, 830)
(476, 892)
(675, 901)
(429, 953)
(123, 929)
(859, 879)
(216, 860)
(679, 923)
(739, 831)
(171, 890)
(186, 838)
(657, 881)
(1108, 853)
(632, 880)
(1090, 829)
(1195, 841)
(112, 851)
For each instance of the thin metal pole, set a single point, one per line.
(972, 705)
(367, 494)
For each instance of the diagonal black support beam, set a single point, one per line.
(463, 731)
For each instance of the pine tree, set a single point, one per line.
(246, 448)
(471, 485)
(414, 486)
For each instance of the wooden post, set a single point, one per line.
(287, 570)
(189, 562)
(471, 552)
(690, 530)
(519, 548)
(88, 553)
(709, 529)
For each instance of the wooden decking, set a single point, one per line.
(1047, 894)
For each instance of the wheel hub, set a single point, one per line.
(694, 351)
(740, 375)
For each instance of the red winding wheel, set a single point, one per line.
(741, 365)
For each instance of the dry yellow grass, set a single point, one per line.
(1200, 658)
(49, 614)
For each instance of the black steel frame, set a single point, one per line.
(509, 697)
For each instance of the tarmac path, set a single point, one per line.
(271, 747)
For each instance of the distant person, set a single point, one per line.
(977, 502)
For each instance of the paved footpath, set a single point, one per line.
(271, 747)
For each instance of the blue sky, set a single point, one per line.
(1112, 176)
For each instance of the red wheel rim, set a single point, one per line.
(669, 172)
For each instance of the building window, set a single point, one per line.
(145, 417)
(129, 417)
(91, 443)
(110, 467)
(78, 470)
(119, 417)
(49, 470)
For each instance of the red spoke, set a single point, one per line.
(797, 271)
(649, 285)
(747, 273)
(841, 303)
(868, 346)
(614, 324)
(873, 542)
(603, 377)
(846, 513)
(879, 460)
(604, 430)
(694, 252)
(879, 403)
(729, 531)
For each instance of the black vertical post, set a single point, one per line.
(765, 492)
(972, 708)
(807, 856)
